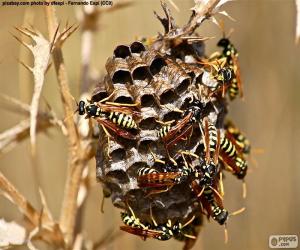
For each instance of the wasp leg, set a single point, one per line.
(152, 192)
(222, 193)
(215, 54)
(171, 109)
(108, 139)
(155, 158)
(165, 123)
(123, 104)
(244, 189)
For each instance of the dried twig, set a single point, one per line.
(40, 48)
(12, 194)
(202, 10)
(13, 136)
(76, 157)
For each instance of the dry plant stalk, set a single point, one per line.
(43, 226)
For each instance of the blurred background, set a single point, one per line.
(269, 116)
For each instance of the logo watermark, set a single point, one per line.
(283, 241)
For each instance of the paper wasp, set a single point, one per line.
(231, 55)
(239, 139)
(184, 127)
(169, 174)
(117, 117)
(218, 76)
(232, 157)
(157, 231)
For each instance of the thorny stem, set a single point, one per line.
(204, 10)
(76, 164)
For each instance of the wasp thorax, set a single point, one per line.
(92, 110)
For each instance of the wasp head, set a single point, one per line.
(224, 42)
(220, 215)
(81, 108)
(196, 107)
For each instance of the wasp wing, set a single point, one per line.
(113, 127)
(158, 179)
(178, 127)
(144, 233)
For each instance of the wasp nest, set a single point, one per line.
(180, 95)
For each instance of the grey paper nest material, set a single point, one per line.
(161, 83)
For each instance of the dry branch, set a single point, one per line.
(12, 194)
(13, 136)
(76, 156)
(202, 10)
(40, 49)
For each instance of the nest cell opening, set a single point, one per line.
(173, 115)
(147, 100)
(137, 47)
(144, 146)
(119, 175)
(148, 123)
(99, 96)
(168, 97)
(157, 65)
(118, 155)
(121, 76)
(183, 86)
(140, 73)
(124, 99)
(122, 51)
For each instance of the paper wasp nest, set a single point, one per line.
(161, 84)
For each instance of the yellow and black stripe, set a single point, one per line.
(122, 120)
(233, 89)
(130, 220)
(213, 138)
(241, 167)
(164, 130)
(227, 147)
(146, 170)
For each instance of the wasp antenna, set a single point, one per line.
(152, 217)
(244, 189)
(188, 222)
(241, 210)
(190, 236)
(225, 234)
(230, 32)
(216, 192)
(201, 192)
(221, 184)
